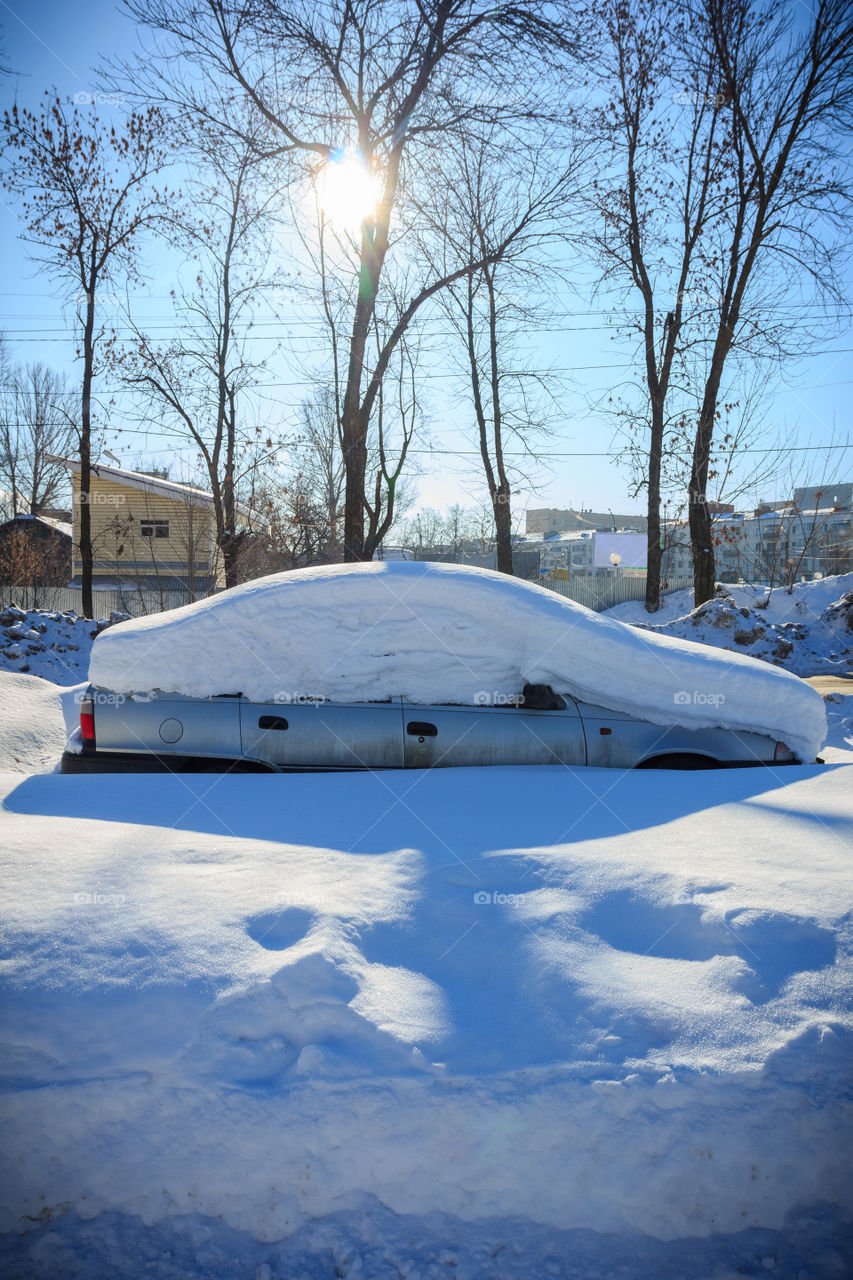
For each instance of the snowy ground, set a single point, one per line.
(489, 1024)
(808, 631)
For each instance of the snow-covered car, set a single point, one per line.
(413, 665)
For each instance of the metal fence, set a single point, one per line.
(595, 593)
(604, 593)
(132, 601)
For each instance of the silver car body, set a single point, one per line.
(176, 731)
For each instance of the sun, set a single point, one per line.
(348, 191)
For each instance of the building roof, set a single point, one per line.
(61, 526)
(543, 519)
(174, 489)
(58, 526)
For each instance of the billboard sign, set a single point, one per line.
(631, 547)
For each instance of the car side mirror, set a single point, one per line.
(541, 697)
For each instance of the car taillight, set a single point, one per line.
(783, 754)
(87, 722)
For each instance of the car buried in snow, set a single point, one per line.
(401, 665)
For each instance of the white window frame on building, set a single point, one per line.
(153, 528)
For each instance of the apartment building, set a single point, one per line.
(808, 535)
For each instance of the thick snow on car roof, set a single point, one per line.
(444, 633)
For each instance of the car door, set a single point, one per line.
(614, 739)
(311, 734)
(448, 735)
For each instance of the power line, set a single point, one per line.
(165, 297)
(284, 329)
(568, 369)
(475, 453)
(537, 457)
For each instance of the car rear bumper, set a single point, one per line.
(143, 762)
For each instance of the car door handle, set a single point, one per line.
(421, 729)
(272, 722)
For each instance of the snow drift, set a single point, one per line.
(495, 1024)
(524, 1001)
(37, 716)
(443, 633)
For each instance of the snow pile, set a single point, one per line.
(53, 645)
(35, 720)
(808, 630)
(443, 633)
(805, 602)
(806, 647)
(498, 1024)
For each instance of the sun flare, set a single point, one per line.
(349, 192)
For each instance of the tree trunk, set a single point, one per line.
(84, 496)
(355, 416)
(701, 540)
(701, 525)
(503, 529)
(231, 547)
(653, 557)
(701, 532)
(354, 437)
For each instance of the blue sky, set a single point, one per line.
(50, 43)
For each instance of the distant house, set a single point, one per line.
(150, 532)
(35, 551)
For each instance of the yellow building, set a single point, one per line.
(151, 532)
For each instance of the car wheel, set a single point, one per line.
(680, 760)
(217, 765)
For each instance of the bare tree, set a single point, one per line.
(424, 529)
(466, 532)
(748, 455)
(505, 217)
(84, 195)
(32, 561)
(317, 485)
(198, 385)
(787, 90)
(723, 134)
(376, 83)
(659, 187)
(396, 417)
(37, 426)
